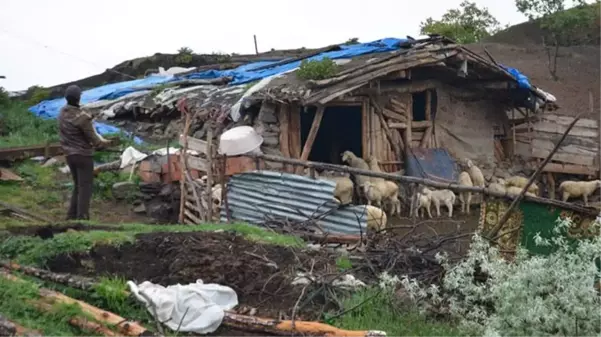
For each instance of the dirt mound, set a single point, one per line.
(260, 274)
(577, 69)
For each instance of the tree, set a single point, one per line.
(184, 56)
(468, 24)
(562, 26)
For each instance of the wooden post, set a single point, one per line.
(551, 185)
(209, 187)
(183, 156)
(284, 119)
(513, 136)
(294, 135)
(256, 48)
(426, 138)
(408, 134)
(312, 133)
(386, 129)
(428, 106)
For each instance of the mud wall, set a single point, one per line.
(464, 125)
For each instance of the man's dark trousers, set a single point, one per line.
(82, 171)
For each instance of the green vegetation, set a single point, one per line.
(565, 27)
(36, 251)
(19, 127)
(37, 94)
(184, 56)
(376, 309)
(17, 299)
(351, 41)
(317, 69)
(344, 263)
(468, 24)
(4, 98)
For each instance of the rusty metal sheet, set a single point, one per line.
(435, 164)
(254, 196)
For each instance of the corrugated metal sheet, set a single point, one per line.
(435, 164)
(253, 195)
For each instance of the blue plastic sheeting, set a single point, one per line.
(240, 75)
(523, 81)
(245, 74)
(435, 164)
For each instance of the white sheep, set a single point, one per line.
(423, 202)
(515, 191)
(475, 174)
(521, 182)
(352, 160)
(343, 191)
(373, 193)
(389, 189)
(376, 218)
(576, 189)
(441, 196)
(465, 197)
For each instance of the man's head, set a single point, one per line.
(72, 95)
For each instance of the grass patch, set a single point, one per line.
(344, 263)
(376, 310)
(16, 304)
(19, 127)
(36, 251)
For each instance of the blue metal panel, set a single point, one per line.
(435, 164)
(254, 196)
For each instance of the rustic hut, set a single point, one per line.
(432, 94)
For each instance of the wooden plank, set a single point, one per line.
(194, 144)
(396, 117)
(409, 128)
(566, 120)
(198, 163)
(419, 125)
(428, 104)
(192, 217)
(395, 146)
(312, 133)
(191, 207)
(560, 129)
(295, 132)
(365, 129)
(570, 169)
(548, 145)
(283, 117)
(565, 157)
(24, 152)
(426, 137)
(590, 143)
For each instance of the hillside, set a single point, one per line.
(577, 69)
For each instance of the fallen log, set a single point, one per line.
(73, 281)
(79, 322)
(24, 212)
(287, 327)
(123, 326)
(233, 320)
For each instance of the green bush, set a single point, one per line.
(184, 56)
(37, 94)
(4, 98)
(317, 70)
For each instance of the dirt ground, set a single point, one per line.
(260, 274)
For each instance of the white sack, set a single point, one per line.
(131, 156)
(205, 304)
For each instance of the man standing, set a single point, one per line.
(78, 139)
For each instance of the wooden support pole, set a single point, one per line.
(426, 138)
(209, 187)
(379, 112)
(551, 186)
(283, 116)
(312, 133)
(408, 130)
(183, 157)
(493, 232)
(428, 107)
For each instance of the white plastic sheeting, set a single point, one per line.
(195, 307)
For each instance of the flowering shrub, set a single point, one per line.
(533, 295)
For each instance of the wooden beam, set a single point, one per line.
(312, 133)
(428, 106)
(393, 115)
(419, 125)
(426, 138)
(409, 128)
(294, 131)
(284, 119)
(551, 184)
(395, 146)
(194, 144)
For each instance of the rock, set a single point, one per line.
(159, 210)
(274, 128)
(271, 140)
(267, 113)
(271, 151)
(200, 134)
(140, 209)
(54, 161)
(124, 189)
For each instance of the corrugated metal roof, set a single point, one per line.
(254, 195)
(435, 164)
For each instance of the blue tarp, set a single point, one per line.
(435, 164)
(240, 75)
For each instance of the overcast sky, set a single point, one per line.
(51, 42)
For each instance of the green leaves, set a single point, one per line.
(468, 24)
(317, 70)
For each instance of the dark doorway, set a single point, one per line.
(419, 105)
(340, 130)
